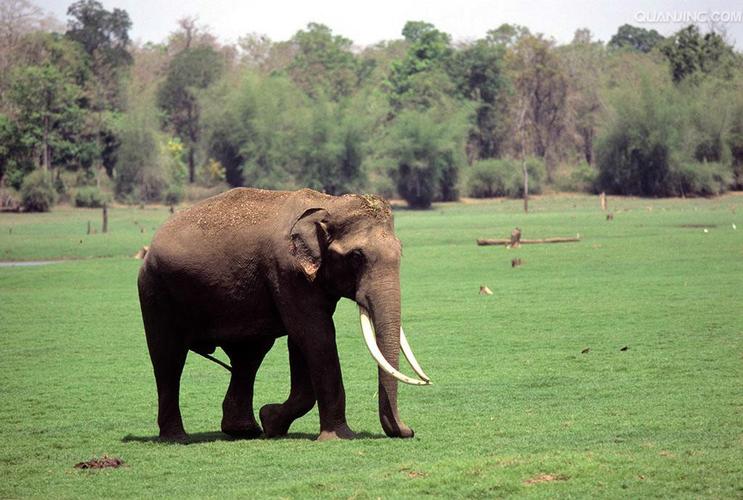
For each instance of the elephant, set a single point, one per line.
(240, 269)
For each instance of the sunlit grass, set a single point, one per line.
(513, 399)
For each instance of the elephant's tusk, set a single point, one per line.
(371, 343)
(408, 352)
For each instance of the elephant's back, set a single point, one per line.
(216, 234)
(238, 207)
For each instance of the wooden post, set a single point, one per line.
(104, 229)
(88, 228)
(602, 199)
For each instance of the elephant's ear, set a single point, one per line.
(309, 238)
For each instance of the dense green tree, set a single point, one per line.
(632, 37)
(429, 151)
(479, 75)
(690, 52)
(104, 38)
(420, 80)
(16, 157)
(190, 72)
(323, 63)
(268, 134)
(252, 128)
(103, 34)
(735, 135)
(52, 49)
(641, 146)
(332, 150)
(47, 115)
(506, 35)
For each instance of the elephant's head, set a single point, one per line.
(348, 246)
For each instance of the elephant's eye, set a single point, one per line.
(356, 256)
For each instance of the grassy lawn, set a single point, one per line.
(515, 409)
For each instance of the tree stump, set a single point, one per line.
(104, 229)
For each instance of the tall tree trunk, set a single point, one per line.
(526, 184)
(191, 165)
(45, 145)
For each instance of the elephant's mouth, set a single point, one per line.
(367, 328)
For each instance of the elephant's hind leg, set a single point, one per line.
(237, 409)
(277, 418)
(168, 355)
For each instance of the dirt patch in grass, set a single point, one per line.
(413, 474)
(545, 478)
(101, 463)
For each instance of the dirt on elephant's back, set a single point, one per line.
(236, 207)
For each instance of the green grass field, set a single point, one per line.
(515, 409)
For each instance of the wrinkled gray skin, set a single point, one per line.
(247, 266)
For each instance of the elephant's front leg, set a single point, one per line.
(237, 408)
(312, 332)
(277, 418)
(327, 382)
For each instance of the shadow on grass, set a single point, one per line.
(210, 437)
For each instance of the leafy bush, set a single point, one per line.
(9, 199)
(211, 173)
(90, 197)
(702, 178)
(37, 192)
(581, 178)
(488, 178)
(173, 194)
(504, 177)
(381, 184)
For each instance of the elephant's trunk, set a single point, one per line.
(385, 309)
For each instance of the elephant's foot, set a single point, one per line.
(342, 431)
(173, 437)
(241, 429)
(273, 421)
(243, 433)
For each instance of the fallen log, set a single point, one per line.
(507, 241)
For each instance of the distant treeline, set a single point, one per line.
(86, 114)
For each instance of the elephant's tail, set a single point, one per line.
(212, 358)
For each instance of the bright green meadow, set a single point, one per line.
(652, 408)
